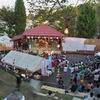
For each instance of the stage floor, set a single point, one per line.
(40, 50)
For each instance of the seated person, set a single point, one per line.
(50, 94)
(96, 90)
(74, 87)
(89, 97)
(49, 72)
(36, 76)
(89, 86)
(81, 89)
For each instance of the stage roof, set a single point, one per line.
(22, 60)
(17, 37)
(43, 30)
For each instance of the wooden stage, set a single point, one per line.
(40, 50)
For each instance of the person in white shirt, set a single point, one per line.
(95, 71)
(90, 97)
(81, 62)
(96, 78)
(72, 69)
(65, 70)
(49, 72)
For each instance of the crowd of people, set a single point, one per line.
(80, 71)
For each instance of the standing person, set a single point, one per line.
(46, 44)
(18, 80)
(72, 69)
(96, 90)
(40, 44)
(87, 57)
(89, 86)
(53, 66)
(60, 82)
(72, 77)
(96, 78)
(65, 70)
(75, 78)
(78, 76)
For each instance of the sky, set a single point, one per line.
(11, 3)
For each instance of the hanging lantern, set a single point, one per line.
(39, 37)
(57, 38)
(44, 37)
(66, 31)
(31, 37)
(50, 37)
(28, 37)
(58, 46)
(81, 81)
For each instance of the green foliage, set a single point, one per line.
(20, 17)
(86, 22)
(7, 20)
(56, 18)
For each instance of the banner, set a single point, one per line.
(44, 68)
(50, 62)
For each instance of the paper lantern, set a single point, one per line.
(57, 79)
(13, 65)
(81, 81)
(82, 77)
(58, 69)
(57, 72)
(27, 71)
(57, 76)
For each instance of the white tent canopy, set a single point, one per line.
(5, 40)
(23, 60)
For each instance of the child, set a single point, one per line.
(72, 77)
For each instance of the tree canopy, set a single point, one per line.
(86, 21)
(20, 17)
(7, 20)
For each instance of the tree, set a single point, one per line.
(20, 17)
(45, 4)
(56, 19)
(86, 21)
(7, 20)
(97, 6)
